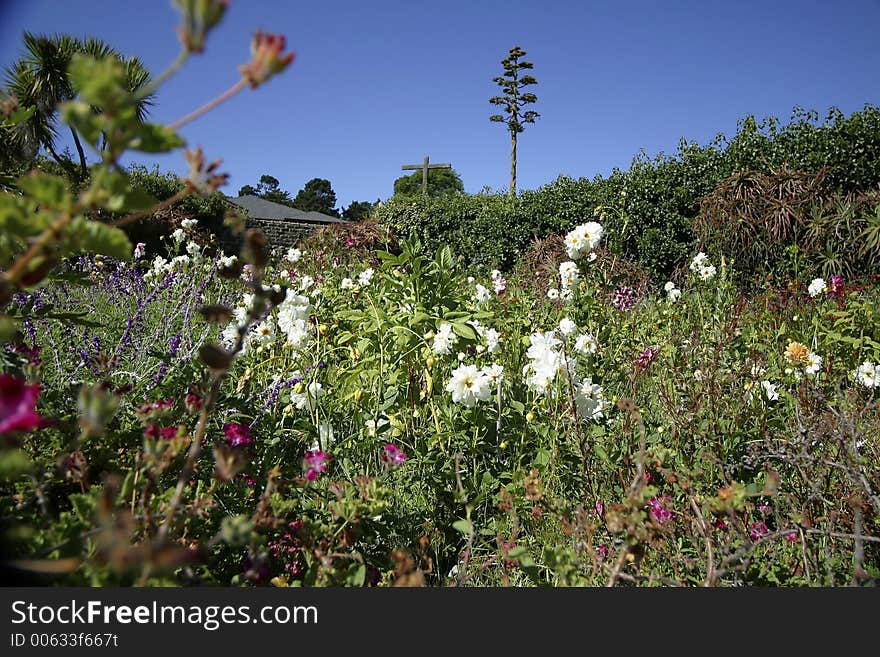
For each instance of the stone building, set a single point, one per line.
(283, 225)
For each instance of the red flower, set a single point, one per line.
(18, 402)
(237, 434)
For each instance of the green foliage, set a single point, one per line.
(57, 69)
(358, 210)
(440, 181)
(268, 188)
(317, 196)
(651, 208)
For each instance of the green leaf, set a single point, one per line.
(47, 190)
(95, 237)
(80, 116)
(14, 463)
(155, 138)
(21, 115)
(465, 526)
(464, 330)
(100, 82)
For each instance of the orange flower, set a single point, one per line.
(796, 353)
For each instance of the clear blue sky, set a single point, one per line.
(379, 84)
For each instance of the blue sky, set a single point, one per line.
(376, 85)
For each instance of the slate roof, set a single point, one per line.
(260, 208)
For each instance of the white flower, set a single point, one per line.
(193, 249)
(365, 277)
(817, 287)
(583, 238)
(228, 261)
(553, 293)
(468, 385)
(492, 338)
(592, 256)
(499, 285)
(186, 224)
(707, 272)
(496, 274)
(482, 294)
(770, 391)
(814, 363)
(669, 286)
(347, 284)
(868, 374)
(494, 373)
(326, 436)
(178, 235)
(444, 339)
(264, 332)
(586, 344)
(375, 426)
(567, 326)
(698, 261)
(567, 294)
(674, 295)
(179, 262)
(461, 356)
(293, 255)
(316, 390)
(569, 275)
(139, 250)
(306, 282)
(590, 400)
(160, 264)
(470, 280)
(284, 274)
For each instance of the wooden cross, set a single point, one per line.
(424, 166)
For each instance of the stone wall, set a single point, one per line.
(282, 233)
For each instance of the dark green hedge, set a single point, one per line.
(659, 196)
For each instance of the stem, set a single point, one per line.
(167, 73)
(161, 206)
(207, 107)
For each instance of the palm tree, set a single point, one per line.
(40, 80)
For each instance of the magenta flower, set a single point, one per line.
(791, 536)
(624, 298)
(316, 463)
(237, 434)
(349, 242)
(18, 402)
(393, 455)
(758, 530)
(600, 508)
(602, 551)
(658, 512)
(648, 356)
(836, 285)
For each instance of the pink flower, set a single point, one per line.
(758, 530)
(791, 536)
(500, 285)
(268, 59)
(393, 455)
(18, 402)
(658, 512)
(720, 524)
(237, 434)
(648, 356)
(600, 508)
(836, 285)
(316, 463)
(349, 242)
(602, 551)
